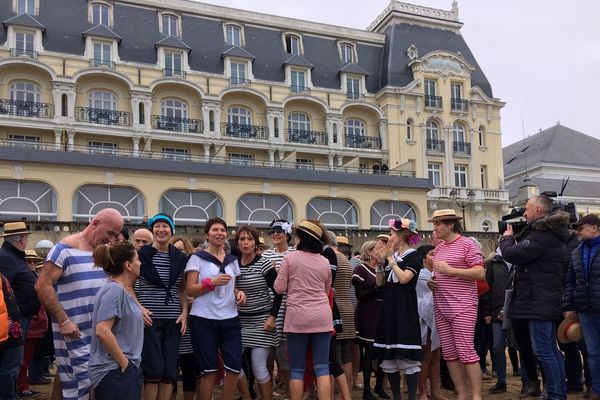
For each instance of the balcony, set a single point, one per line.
(175, 73)
(300, 89)
(239, 81)
(362, 142)
(459, 105)
(461, 148)
(94, 62)
(355, 96)
(433, 102)
(306, 137)
(103, 116)
(22, 108)
(23, 53)
(176, 124)
(245, 131)
(436, 146)
(481, 195)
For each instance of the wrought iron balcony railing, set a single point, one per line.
(460, 105)
(103, 116)
(22, 108)
(234, 80)
(299, 89)
(362, 142)
(435, 145)
(433, 101)
(177, 73)
(307, 137)
(461, 148)
(22, 52)
(176, 124)
(94, 62)
(245, 131)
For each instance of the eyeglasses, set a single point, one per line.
(273, 231)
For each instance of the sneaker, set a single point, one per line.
(498, 388)
(28, 394)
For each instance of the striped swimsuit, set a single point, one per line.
(76, 290)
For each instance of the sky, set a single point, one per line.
(542, 57)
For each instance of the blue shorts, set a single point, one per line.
(211, 336)
(161, 351)
(117, 385)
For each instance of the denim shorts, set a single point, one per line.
(211, 336)
(161, 351)
(117, 385)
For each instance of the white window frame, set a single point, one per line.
(239, 73)
(430, 87)
(289, 49)
(431, 128)
(305, 163)
(240, 158)
(456, 90)
(101, 147)
(232, 60)
(345, 78)
(18, 140)
(483, 175)
(355, 127)
(239, 114)
(434, 173)
(32, 6)
(12, 37)
(105, 97)
(461, 176)
(45, 209)
(230, 28)
(104, 48)
(90, 42)
(174, 153)
(27, 88)
(28, 40)
(459, 132)
(164, 29)
(109, 22)
(174, 108)
(162, 62)
(482, 136)
(170, 59)
(299, 124)
(298, 80)
(347, 52)
(410, 129)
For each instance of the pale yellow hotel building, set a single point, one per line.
(199, 111)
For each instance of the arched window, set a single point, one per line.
(170, 25)
(173, 108)
(234, 35)
(64, 104)
(487, 225)
(481, 133)
(102, 100)
(292, 44)
(431, 130)
(239, 115)
(409, 129)
(299, 122)
(190, 207)
(458, 133)
(89, 199)
(100, 14)
(333, 213)
(35, 201)
(259, 210)
(382, 211)
(25, 91)
(355, 127)
(347, 51)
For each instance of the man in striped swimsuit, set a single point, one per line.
(67, 287)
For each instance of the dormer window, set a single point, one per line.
(25, 7)
(292, 44)
(24, 43)
(233, 35)
(100, 14)
(173, 63)
(170, 25)
(347, 52)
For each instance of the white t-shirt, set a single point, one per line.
(219, 303)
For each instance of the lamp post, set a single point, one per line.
(462, 202)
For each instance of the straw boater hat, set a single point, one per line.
(343, 240)
(310, 229)
(15, 228)
(569, 331)
(31, 255)
(444, 215)
(384, 237)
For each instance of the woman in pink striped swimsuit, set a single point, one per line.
(457, 264)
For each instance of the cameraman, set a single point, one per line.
(537, 290)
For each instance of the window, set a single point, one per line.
(191, 207)
(304, 163)
(347, 51)
(382, 211)
(456, 91)
(431, 130)
(355, 127)
(25, 91)
(26, 7)
(483, 175)
(429, 87)
(170, 25)
(173, 108)
(234, 35)
(458, 133)
(292, 44)
(240, 159)
(109, 148)
(259, 210)
(486, 225)
(24, 43)
(431, 100)
(353, 88)
(298, 81)
(102, 100)
(239, 115)
(24, 141)
(333, 213)
(34, 200)
(102, 54)
(299, 122)
(434, 174)
(100, 14)
(238, 73)
(481, 133)
(172, 63)
(172, 153)
(409, 129)
(89, 199)
(460, 175)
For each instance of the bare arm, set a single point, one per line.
(183, 300)
(404, 275)
(109, 341)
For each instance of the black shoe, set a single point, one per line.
(367, 395)
(498, 388)
(28, 394)
(531, 390)
(381, 393)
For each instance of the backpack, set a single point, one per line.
(10, 317)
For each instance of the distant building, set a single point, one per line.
(200, 110)
(551, 156)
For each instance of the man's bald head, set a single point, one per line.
(104, 227)
(142, 237)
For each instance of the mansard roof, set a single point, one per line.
(172, 41)
(101, 31)
(24, 20)
(298, 61)
(237, 51)
(352, 68)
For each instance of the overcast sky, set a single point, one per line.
(541, 57)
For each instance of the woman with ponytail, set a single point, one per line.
(118, 325)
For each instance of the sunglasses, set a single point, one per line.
(272, 231)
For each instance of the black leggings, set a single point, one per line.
(366, 350)
(521, 330)
(335, 368)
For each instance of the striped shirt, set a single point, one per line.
(454, 294)
(275, 259)
(153, 297)
(76, 289)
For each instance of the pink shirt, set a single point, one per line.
(454, 294)
(307, 279)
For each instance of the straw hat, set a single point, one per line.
(444, 215)
(569, 331)
(31, 255)
(343, 240)
(15, 228)
(384, 237)
(310, 229)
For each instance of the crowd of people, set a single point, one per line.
(305, 316)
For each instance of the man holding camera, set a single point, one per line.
(538, 257)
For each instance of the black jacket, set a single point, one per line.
(538, 258)
(21, 277)
(148, 272)
(499, 277)
(582, 294)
